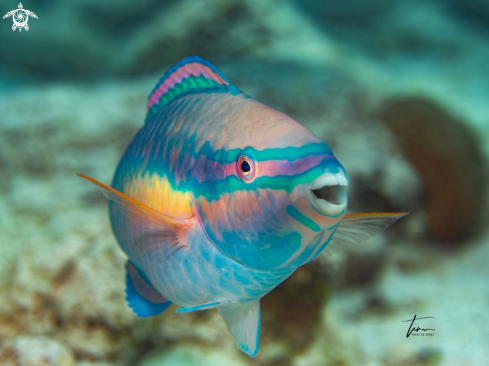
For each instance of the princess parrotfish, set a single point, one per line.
(219, 198)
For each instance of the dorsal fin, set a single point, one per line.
(190, 75)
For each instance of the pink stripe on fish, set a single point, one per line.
(269, 168)
(195, 69)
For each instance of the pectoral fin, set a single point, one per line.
(356, 228)
(152, 228)
(243, 322)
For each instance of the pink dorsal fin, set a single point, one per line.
(181, 74)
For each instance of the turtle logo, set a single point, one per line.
(20, 17)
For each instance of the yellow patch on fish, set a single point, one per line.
(155, 192)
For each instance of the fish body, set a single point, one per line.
(219, 198)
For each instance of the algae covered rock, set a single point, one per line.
(89, 39)
(448, 156)
(42, 351)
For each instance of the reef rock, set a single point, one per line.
(447, 155)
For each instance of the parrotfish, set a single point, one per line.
(219, 198)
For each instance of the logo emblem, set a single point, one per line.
(20, 17)
(417, 329)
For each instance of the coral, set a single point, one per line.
(448, 157)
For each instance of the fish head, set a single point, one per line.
(274, 195)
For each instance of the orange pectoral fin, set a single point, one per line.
(151, 227)
(356, 228)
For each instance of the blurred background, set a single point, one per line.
(398, 89)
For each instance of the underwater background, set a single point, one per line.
(398, 89)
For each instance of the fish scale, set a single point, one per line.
(219, 198)
(211, 263)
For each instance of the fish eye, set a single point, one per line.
(245, 166)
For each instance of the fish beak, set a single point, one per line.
(328, 194)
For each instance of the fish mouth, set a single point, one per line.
(328, 194)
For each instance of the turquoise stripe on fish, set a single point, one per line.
(219, 198)
(191, 75)
(233, 183)
(292, 211)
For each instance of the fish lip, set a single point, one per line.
(329, 179)
(322, 205)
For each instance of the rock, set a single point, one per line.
(291, 312)
(362, 268)
(42, 351)
(474, 12)
(424, 357)
(90, 40)
(194, 356)
(346, 18)
(447, 155)
(224, 31)
(74, 41)
(207, 29)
